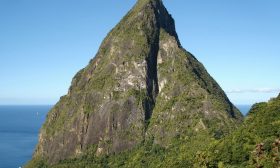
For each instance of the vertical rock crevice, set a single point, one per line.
(163, 21)
(152, 74)
(151, 80)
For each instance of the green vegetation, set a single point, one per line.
(255, 143)
(146, 154)
(57, 111)
(37, 162)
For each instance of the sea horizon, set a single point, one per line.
(19, 130)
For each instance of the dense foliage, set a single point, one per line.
(255, 143)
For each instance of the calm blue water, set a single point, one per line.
(244, 109)
(19, 128)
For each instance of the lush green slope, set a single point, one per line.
(181, 153)
(255, 143)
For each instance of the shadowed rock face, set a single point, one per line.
(141, 84)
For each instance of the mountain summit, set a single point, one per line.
(141, 86)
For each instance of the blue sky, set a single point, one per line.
(44, 43)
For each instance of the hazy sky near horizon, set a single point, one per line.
(44, 43)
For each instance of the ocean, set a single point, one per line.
(244, 109)
(19, 128)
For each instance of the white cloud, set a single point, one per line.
(257, 90)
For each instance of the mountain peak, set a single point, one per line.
(145, 2)
(154, 9)
(141, 86)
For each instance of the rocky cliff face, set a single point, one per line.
(140, 85)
